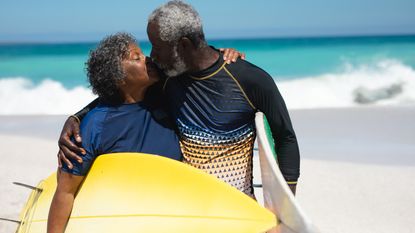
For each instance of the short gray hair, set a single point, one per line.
(104, 69)
(177, 19)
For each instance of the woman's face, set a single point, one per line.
(139, 72)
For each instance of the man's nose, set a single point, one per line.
(148, 60)
(152, 55)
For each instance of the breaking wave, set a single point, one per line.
(387, 82)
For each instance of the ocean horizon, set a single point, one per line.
(310, 72)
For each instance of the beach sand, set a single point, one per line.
(357, 166)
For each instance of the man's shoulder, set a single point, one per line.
(247, 72)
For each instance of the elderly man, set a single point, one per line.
(213, 103)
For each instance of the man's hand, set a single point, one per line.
(230, 55)
(68, 149)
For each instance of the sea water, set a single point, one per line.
(309, 72)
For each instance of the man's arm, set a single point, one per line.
(273, 106)
(67, 148)
(264, 95)
(82, 113)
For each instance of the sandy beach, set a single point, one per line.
(357, 167)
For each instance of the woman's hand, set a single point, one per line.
(230, 55)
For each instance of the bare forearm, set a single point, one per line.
(60, 211)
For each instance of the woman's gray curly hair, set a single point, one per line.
(177, 19)
(104, 67)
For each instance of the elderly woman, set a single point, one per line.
(119, 73)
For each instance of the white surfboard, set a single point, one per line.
(277, 195)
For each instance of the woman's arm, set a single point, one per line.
(62, 202)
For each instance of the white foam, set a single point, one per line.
(340, 89)
(20, 96)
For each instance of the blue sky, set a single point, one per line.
(90, 20)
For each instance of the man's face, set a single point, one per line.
(165, 54)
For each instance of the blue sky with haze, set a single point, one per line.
(90, 20)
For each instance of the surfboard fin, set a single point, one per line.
(28, 186)
(10, 220)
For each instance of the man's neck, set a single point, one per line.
(204, 58)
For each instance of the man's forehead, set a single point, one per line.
(154, 36)
(153, 30)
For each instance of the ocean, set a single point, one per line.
(330, 72)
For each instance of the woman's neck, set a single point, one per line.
(134, 96)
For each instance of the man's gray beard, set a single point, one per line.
(179, 67)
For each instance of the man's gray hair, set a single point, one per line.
(177, 19)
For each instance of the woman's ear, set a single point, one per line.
(121, 83)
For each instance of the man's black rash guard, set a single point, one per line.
(214, 111)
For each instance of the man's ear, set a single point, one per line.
(186, 45)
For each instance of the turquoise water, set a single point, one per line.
(309, 72)
(294, 58)
(282, 58)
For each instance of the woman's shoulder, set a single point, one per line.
(96, 115)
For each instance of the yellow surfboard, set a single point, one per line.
(134, 192)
